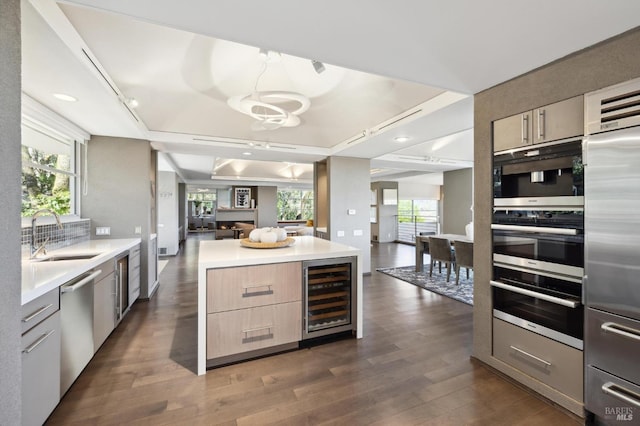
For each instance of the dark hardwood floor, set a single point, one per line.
(412, 367)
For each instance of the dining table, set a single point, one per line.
(422, 245)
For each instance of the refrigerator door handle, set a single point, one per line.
(628, 332)
(557, 300)
(623, 394)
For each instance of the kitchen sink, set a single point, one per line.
(60, 257)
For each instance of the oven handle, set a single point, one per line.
(534, 229)
(557, 300)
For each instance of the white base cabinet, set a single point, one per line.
(41, 370)
(104, 304)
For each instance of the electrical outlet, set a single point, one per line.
(340, 233)
(138, 230)
(357, 232)
(103, 230)
(351, 212)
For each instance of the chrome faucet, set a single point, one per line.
(35, 251)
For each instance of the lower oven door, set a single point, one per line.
(540, 306)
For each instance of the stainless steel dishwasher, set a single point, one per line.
(76, 325)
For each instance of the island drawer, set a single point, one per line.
(553, 363)
(38, 309)
(248, 286)
(244, 330)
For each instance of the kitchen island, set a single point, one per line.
(244, 264)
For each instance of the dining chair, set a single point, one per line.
(464, 257)
(440, 251)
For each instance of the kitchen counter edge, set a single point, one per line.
(38, 278)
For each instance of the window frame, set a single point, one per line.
(41, 119)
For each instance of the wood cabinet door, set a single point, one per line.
(512, 132)
(560, 120)
(257, 285)
(244, 330)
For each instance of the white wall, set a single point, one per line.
(267, 206)
(384, 230)
(168, 210)
(457, 199)
(349, 189)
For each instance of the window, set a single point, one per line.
(49, 178)
(295, 204)
(202, 203)
(416, 216)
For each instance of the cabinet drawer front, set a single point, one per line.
(39, 309)
(611, 399)
(555, 364)
(41, 370)
(248, 286)
(605, 331)
(245, 330)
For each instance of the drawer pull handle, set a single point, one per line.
(36, 313)
(255, 338)
(557, 300)
(621, 330)
(622, 394)
(540, 360)
(35, 344)
(266, 290)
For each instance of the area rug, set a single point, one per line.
(437, 283)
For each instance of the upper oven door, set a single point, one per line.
(544, 176)
(542, 240)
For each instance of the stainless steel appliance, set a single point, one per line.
(76, 327)
(540, 302)
(122, 286)
(538, 240)
(541, 239)
(329, 296)
(544, 175)
(612, 282)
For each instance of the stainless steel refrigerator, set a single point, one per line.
(612, 282)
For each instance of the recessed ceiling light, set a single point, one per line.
(132, 102)
(401, 138)
(246, 153)
(64, 97)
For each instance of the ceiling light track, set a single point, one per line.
(404, 117)
(100, 72)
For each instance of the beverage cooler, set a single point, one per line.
(329, 296)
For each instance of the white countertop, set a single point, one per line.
(224, 253)
(39, 278)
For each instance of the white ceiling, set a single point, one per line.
(182, 60)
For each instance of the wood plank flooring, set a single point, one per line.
(412, 368)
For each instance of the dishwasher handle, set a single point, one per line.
(86, 280)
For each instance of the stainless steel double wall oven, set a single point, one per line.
(538, 240)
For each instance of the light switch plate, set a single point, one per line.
(340, 233)
(103, 230)
(357, 232)
(138, 230)
(351, 212)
